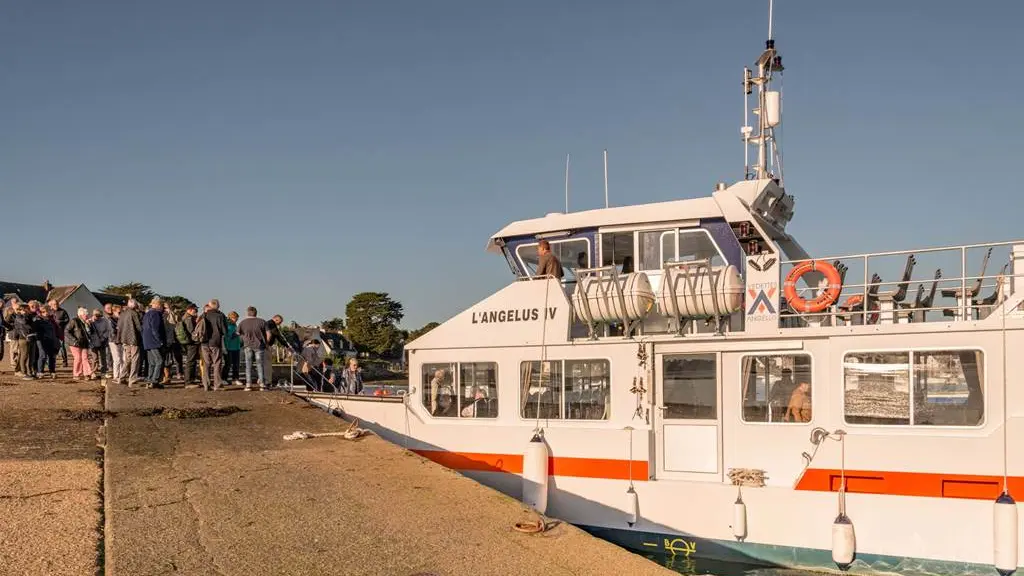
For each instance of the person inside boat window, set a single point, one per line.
(548, 264)
(442, 396)
(780, 395)
(800, 404)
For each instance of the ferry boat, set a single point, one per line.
(699, 385)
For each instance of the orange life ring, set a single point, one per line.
(825, 298)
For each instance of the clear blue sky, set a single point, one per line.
(291, 154)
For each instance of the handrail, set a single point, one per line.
(909, 251)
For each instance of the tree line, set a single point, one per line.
(371, 321)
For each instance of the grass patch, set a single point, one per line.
(85, 415)
(188, 413)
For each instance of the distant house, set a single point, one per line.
(70, 297)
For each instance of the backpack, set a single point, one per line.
(199, 332)
(181, 333)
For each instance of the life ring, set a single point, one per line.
(827, 296)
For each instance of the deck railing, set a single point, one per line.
(890, 297)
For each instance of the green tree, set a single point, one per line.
(333, 325)
(372, 319)
(178, 303)
(141, 292)
(420, 332)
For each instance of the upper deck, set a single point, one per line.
(717, 266)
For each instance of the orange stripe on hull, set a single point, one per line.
(930, 485)
(557, 466)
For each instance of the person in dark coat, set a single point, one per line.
(62, 318)
(47, 342)
(23, 335)
(212, 349)
(77, 337)
(129, 336)
(153, 341)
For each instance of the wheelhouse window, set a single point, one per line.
(460, 390)
(617, 250)
(572, 253)
(777, 388)
(914, 388)
(696, 244)
(565, 389)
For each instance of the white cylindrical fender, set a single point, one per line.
(739, 519)
(1004, 536)
(844, 542)
(632, 506)
(535, 474)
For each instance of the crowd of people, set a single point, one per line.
(134, 347)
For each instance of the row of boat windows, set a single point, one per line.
(629, 251)
(900, 388)
(897, 388)
(552, 389)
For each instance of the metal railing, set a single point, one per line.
(975, 295)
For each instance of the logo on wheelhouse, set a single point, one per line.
(762, 301)
(513, 315)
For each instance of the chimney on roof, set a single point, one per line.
(47, 286)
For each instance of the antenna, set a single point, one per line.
(767, 110)
(566, 183)
(605, 177)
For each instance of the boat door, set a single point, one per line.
(688, 416)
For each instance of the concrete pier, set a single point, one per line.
(204, 483)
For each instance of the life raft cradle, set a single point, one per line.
(691, 270)
(609, 286)
(824, 299)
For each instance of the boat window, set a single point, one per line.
(466, 390)
(574, 253)
(617, 250)
(587, 390)
(690, 387)
(565, 390)
(696, 244)
(540, 389)
(772, 389)
(478, 384)
(438, 385)
(947, 388)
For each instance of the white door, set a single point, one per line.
(688, 416)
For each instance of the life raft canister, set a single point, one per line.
(825, 298)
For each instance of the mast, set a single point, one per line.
(767, 111)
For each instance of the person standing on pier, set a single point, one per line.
(113, 313)
(129, 335)
(153, 336)
(48, 343)
(189, 347)
(77, 336)
(212, 348)
(233, 348)
(253, 331)
(62, 318)
(274, 337)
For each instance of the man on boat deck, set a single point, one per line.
(548, 264)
